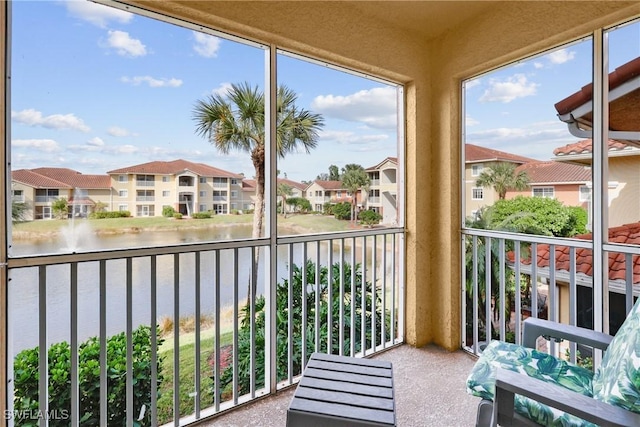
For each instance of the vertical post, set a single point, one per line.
(129, 321)
(43, 368)
(73, 344)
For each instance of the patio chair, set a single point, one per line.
(525, 387)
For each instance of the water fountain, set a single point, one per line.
(77, 233)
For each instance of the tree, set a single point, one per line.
(236, 121)
(334, 173)
(503, 177)
(284, 190)
(60, 208)
(19, 211)
(354, 178)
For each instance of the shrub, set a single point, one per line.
(177, 215)
(300, 204)
(201, 215)
(282, 296)
(235, 212)
(26, 380)
(168, 211)
(342, 210)
(369, 217)
(109, 214)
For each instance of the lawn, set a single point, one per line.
(187, 374)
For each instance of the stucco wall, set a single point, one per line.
(431, 71)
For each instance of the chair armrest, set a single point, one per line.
(509, 383)
(534, 328)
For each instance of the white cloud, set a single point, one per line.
(46, 145)
(561, 56)
(119, 132)
(120, 149)
(97, 14)
(95, 142)
(374, 107)
(151, 81)
(125, 45)
(222, 90)
(537, 65)
(472, 83)
(470, 121)
(206, 45)
(350, 138)
(31, 117)
(516, 86)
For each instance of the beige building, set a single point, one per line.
(320, 192)
(249, 192)
(478, 159)
(383, 190)
(39, 188)
(186, 186)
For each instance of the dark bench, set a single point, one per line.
(343, 391)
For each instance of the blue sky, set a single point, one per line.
(94, 88)
(512, 109)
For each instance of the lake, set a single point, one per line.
(23, 285)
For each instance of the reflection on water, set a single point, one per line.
(24, 289)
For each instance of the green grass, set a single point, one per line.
(187, 375)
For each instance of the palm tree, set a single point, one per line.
(236, 121)
(284, 190)
(503, 177)
(354, 178)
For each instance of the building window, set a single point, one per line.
(476, 170)
(234, 194)
(477, 193)
(220, 209)
(234, 181)
(543, 192)
(122, 208)
(166, 193)
(234, 206)
(203, 180)
(203, 208)
(123, 193)
(203, 194)
(122, 178)
(585, 193)
(165, 179)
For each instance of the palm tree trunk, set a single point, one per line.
(257, 156)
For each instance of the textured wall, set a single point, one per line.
(431, 69)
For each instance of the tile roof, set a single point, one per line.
(554, 172)
(475, 153)
(250, 184)
(328, 185)
(175, 167)
(60, 178)
(624, 234)
(74, 178)
(388, 159)
(586, 147)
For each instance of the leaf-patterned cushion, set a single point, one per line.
(482, 379)
(617, 380)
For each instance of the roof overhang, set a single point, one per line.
(624, 103)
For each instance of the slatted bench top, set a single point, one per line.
(343, 391)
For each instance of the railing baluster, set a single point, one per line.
(363, 307)
(476, 296)
(154, 340)
(573, 297)
(352, 331)
(176, 339)
(236, 302)
(252, 328)
(384, 292)
(341, 305)
(216, 367)
(103, 343)
(551, 291)
(316, 314)
(129, 334)
(43, 368)
(329, 297)
(290, 315)
(374, 328)
(628, 259)
(487, 292)
(196, 308)
(303, 270)
(503, 293)
(518, 295)
(73, 343)
(534, 279)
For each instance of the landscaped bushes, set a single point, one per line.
(342, 210)
(201, 215)
(369, 217)
(26, 381)
(283, 337)
(109, 214)
(168, 211)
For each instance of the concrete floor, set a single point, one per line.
(429, 391)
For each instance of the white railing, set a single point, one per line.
(337, 292)
(502, 286)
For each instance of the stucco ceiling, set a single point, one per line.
(427, 18)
